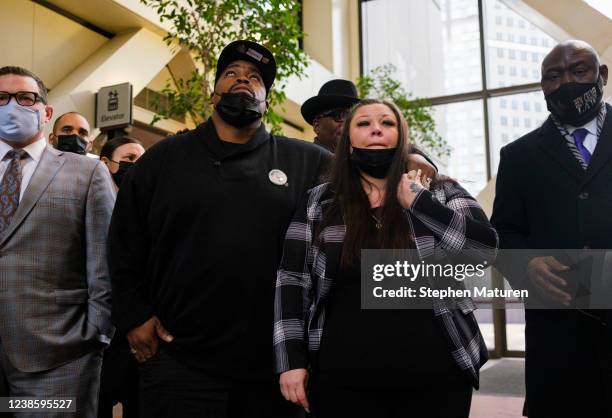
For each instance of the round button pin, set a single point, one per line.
(277, 177)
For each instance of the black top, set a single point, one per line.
(196, 238)
(394, 346)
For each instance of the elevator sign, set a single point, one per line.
(114, 106)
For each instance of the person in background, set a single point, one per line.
(376, 363)
(119, 379)
(71, 133)
(119, 154)
(55, 290)
(327, 110)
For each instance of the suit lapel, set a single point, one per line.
(553, 144)
(603, 150)
(48, 166)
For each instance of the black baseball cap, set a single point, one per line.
(252, 52)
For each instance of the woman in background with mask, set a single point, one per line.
(119, 379)
(379, 363)
(119, 154)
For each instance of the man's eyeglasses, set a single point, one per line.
(336, 114)
(24, 98)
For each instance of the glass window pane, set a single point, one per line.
(435, 45)
(461, 124)
(526, 46)
(507, 123)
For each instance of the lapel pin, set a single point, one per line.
(277, 177)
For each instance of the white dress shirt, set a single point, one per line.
(28, 164)
(590, 140)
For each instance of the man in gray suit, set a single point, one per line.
(55, 209)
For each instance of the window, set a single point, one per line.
(527, 123)
(468, 164)
(393, 30)
(498, 117)
(450, 29)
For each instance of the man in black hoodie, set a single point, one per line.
(195, 241)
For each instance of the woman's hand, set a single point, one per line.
(409, 187)
(293, 387)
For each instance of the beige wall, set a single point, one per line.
(43, 41)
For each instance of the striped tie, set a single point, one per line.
(10, 187)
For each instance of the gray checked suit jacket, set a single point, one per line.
(54, 282)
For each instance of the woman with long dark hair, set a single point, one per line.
(379, 363)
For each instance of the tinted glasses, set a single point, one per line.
(336, 114)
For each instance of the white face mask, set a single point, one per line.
(18, 123)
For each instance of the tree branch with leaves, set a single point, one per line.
(204, 27)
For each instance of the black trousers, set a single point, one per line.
(440, 400)
(170, 389)
(119, 380)
(568, 365)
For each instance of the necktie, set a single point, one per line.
(579, 135)
(10, 187)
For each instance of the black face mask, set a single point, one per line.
(374, 162)
(576, 103)
(238, 109)
(72, 143)
(124, 166)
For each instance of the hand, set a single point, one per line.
(541, 272)
(293, 387)
(143, 339)
(416, 161)
(408, 188)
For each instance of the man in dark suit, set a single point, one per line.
(55, 209)
(554, 191)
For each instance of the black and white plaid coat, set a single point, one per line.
(445, 221)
